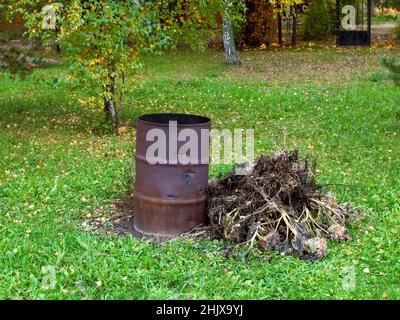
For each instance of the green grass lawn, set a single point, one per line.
(58, 169)
(383, 19)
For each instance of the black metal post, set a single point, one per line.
(280, 39)
(369, 9)
(337, 21)
(294, 30)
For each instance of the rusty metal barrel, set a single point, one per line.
(170, 196)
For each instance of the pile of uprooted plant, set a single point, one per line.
(278, 206)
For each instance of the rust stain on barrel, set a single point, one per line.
(170, 199)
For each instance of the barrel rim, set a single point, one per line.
(200, 120)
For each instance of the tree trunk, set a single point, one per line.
(110, 107)
(280, 39)
(231, 55)
(57, 32)
(294, 30)
(111, 112)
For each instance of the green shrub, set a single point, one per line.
(320, 20)
(379, 76)
(394, 68)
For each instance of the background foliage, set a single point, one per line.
(319, 20)
(104, 39)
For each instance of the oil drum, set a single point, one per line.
(172, 155)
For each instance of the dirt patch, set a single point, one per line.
(313, 65)
(120, 221)
(384, 34)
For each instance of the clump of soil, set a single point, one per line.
(277, 206)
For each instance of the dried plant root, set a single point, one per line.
(278, 206)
